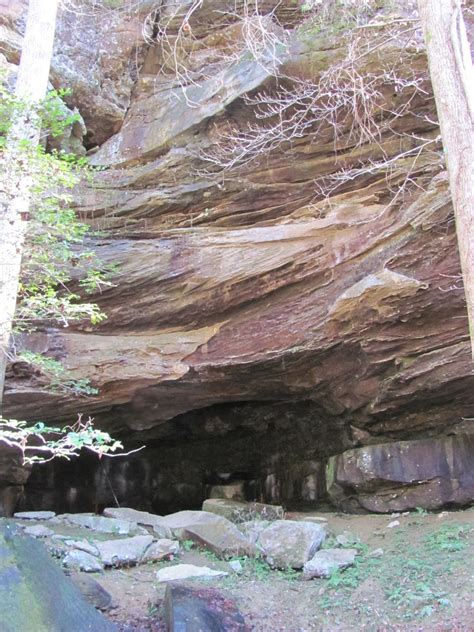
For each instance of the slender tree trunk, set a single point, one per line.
(452, 76)
(15, 182)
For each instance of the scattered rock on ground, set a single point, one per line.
(325, 562)
(81, 561)
(190, 609)
(236, 566)
(160, 550)
(238, 511)
(186, 571)
(375, 553)
(289, 544)
(38, 531)
(101, 524)
(34, 515)
(346, 539)
(125, 551)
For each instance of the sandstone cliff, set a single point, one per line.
(258, 325)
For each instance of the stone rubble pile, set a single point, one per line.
(123, 537)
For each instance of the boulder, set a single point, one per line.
(187, 571)
(325, 562)
(124, 551)
(242, 511)
(81, 561)
(35, 595)
(403, 475)
(194, 609)
(290, 544)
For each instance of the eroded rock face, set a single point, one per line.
(253, 325)
(97, 55)
(397, 476)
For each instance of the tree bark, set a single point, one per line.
(15, 183)
(452, 77)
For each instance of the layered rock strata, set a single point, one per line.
(256, 325)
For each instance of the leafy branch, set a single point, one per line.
(41, 443)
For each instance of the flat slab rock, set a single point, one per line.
(34, 515)
(38, 531)
(128, 514)
(325, 562)
(289, 543)
(101, 524)
(197, 609)
(124, 551)
(187, 571)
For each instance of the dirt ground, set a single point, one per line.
(414, 572)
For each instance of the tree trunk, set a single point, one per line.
(15, 184)
(452, 76)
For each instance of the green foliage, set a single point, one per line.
(56, 244)
(40, 443)
(57, 377)
(55, 251)
(449, 538)
(187, 545)
(53, 115)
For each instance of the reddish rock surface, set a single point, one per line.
(248, 287)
